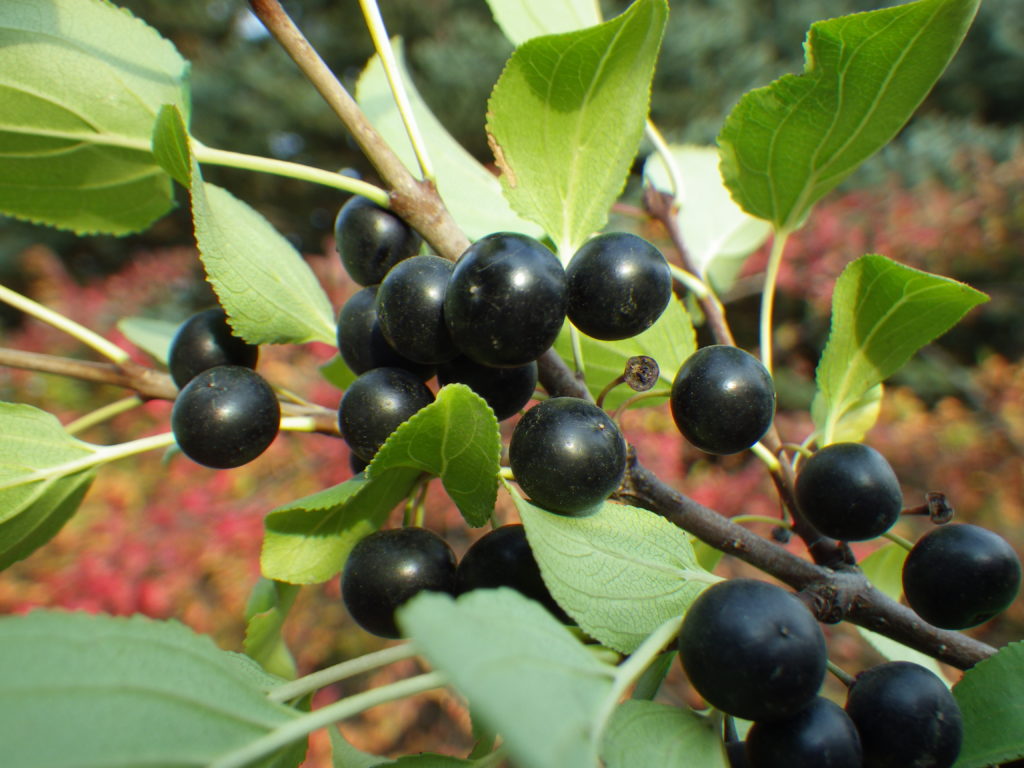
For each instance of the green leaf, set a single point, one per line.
(620, 572)
(882, 313)
(81, 82)
(522, 672)
(470, 191)
(41, 485)
(884, 569)
(150, 335)
(269, 604)
(645, 733)
(566, 117)
(270, 294)
(719, 235)
(308, 541)
(522, 20)
(80, 690)
(337, 372)
(786, 145)
(993, 709)
(344, 755)
(857, 418)
(669, 341)
(455, 438)
(171, 147)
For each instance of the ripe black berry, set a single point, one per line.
(506, 390)
(618, 285)
(361, 343)
(410, 309)
(959, 576)
(503, 558)
(752, 650)
(723, 399)
(225, 417)
(206, 340)
(848, 491)
(906, 717)
(387, 568)
(567, 454)
(371, 240)
(374, 406)
(821, 735)
(506, 300)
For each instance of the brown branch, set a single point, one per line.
(415, 201)
(148, 383)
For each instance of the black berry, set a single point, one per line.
(848, 491)
(506, 390)
(387, 568)
(906, 717)
(225, 417)
(361, 343)
(206, 340)
(723, 399)
(567, 455)
(618, 285)
(959, 576)
(410, 309)
(752, 650)
(821, 735)
(371, 240)
(506, 300)
(374, 406)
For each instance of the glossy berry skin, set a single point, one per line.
(821, 735)
(410, 308)
(503, 558)
(752, 650)
(371, 240)
(206, 340)
(723, 399)
(388, 568)
(849, 492)
(567, 455)
(361, 342)
(618, 285)
(506, 299)
(906, 717)
(374, 406)
(961, 575)
(506, 390)
(225, 417)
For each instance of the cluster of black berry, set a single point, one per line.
(389, 567)
(226, 414)
(754, 651)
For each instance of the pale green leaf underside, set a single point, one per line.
(79, 690)
(149, 334)
(471, 192)
(990, 699)
(308, 541)
(522, 20)
(669, 341)
(455, 438)
(268, 608)
(784, 146)
(646, 733)
(81, 82)
(566, 117)
(719, 235)
(882, 313)
(857, 418)
(620, 572)
(270, 294)
(523, 673)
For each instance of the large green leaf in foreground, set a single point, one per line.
(566, 117)
(784, 146)
(990, 698)
(81, 82)
(882, 313)
(81, 691)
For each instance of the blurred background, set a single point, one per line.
(176, 540)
